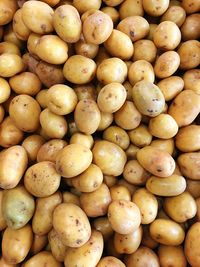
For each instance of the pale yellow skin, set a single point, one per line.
(140, 136)
(155, 8)
(180, 208)
(32, 145)
(86, 49)
(87, 109)
(87, 255)
(79, 69)
(72, 160)
(164, 144)
(190, 29)
(3, 223)
(13, 163)
(25, 112)
(38, 17)
(43, 217)
(55, 126)
(147, 239)
(20, 29)
(185, 107)
(82, 139)
(132, 151)
(85, 91)
(171, 87)
(156, 161)
(8, 47)
(3, 263)
(109, 157)
(83, 6)
(172, 256)
(105, 121)
(39, 242)
(96, 203)
(170, 186)
(2, 113)
(131, 8)
(112, 12)
(120, 192)
(68, 221)
(67, 23)
(189, 165)
(136, 27)
(112, 70)
(42, 258)
(175, 14)
(110, 261)
(128, 117)
(32, 42)
(191, 247)
(192, 80)
(147, 203)
(41, 179)
(110, 180)
(8, 9)
(117, 135)
(10, 36)
(58, 250)
(124, 216)
(10, 135)
(112, 2)
(69, 197)
(152, 27)
(144, 50)
(16, 244)
(10, 64)
(103, 226)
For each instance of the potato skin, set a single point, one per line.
(171, 256)
(189, 165)
(111, 262)
(42, 258)
(58, 250)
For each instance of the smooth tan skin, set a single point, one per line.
(10, 64)
(164, 144)
(117, 135)
(8, 9)
(110, 180)
(144, 50)
(111, 262)
(3, 263)
(140, 136)
(10, 36)
(42, 258)
(131, 8)
(13, 163)
(43, 217)
(87, 91)
(20, 29)
(2, 113)
(155, 8)
(69, 197)
(82, 139)
(89, 254)
(190, 29)
(193, 188)
(105, 121)
(147, 239)
(120, 192)
(68, 223)
(102, 225)
(86, 49)
(191, 80)
(8, 47)
(175, 14)
(112, 12)
(16, 244)
(171, 255)
(83, 6)
(32, 145)
(39, 242)
(191, 6)
(32, 43)
(58, 250)
(3, 223)
(189, 165)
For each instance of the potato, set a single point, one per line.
(147, 204)
(32, 41)
(25, 111)
(13, 163)
(171, 87)
(111, 97)
(105, 121)
(167, 35)
(124, 216)
(141, 257)
(38, 17)
(167, 232)
(82, 139)
(112, 13)
(191, 6)
(112, 70)
(136, 27)
(180, 208)
(85, 91)
(117, 135)
(8, 47)
(20, 29)
(87, 109)
(68, 221)
(185, 107)
(97, 27)
(42, 258)
(128, 117)
(87, 255)
(58, 250)
(41, 179)
(152, 27)
(193, 187)
(190, 29)
(148, 98)
(8, 9)
(189, 165)
(189, 53)
(43, 217)
(10, 64)
(79, 69)
(131, 8)
(54, 125)
(131, 152)
(147, 239)
(167, 64)
(119, 45)
(16, 244)
(175, 14)
(155, 8)
(144, 50)
(110, 180)
(83, 6)
(164, 144)
(3, 223)
(118, 192)
(86, 49)
(102, 225)
(32, 145)
(2, 113)
(156, 161)
(110, 261)
(10, 135)
(109, 157)
(140, 136)
(3, 263)
(69, 197)
(169, 186)
(191, 247)
(171, 256)
(39, 242)
(191, 80)
(10, 36)
(17, 207)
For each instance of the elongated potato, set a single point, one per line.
(58, 250)
(189, 165)
(39, 242)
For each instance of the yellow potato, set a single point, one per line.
(190, 6)
(58, 250)
(117, 135)
(42, 222)
(131, 152)
(2, 113)
(69, 197)
(193, 187)
(68, 221)
(112, 13)
(32, 43)
(169, 186)
(3, 263)
(20, 29)
(131, 8)
(164, 144)
(109, 157)
(102, 225)
(86, 49)
(152, 27)
(105, 121)
(124, 216)
(192, 80)
(120, 192)
(87, 255)
(16, 244)
(8, 47)
(110, 180)
(42, 258)
(39, 242)
(82, 139)
(140, 136)
(10, 64)
(190, 29)
(38, 17)
(32, 145)
(175, 14)
(189, 165)
(83, 6)
(172, 256)
(85, 91)
(7, 11)
(13, 163)
(144, 50)
(10, 36)
(3, 223)
(147, 239)
(110, 261)
(155, 8)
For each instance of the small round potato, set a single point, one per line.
(97, 27)
(136, 27)
(32, 43)
(172, 256)
(164, 144)
(79, 69)
(110, 261)
(189, 165)
(32, 144)
(190, 28)
(38, 17)
(105, 121)
(5, 90)
(193, 187)
(58, 250)
(131, 8)
(4, 263)
(102, 225)
(85, 91)
(10, 36)
(10, 64)
(112, 13)
(144, 50)
(124, 216)
(117, 135)
(86, 49)
(20, 29)
(120, 192)
(147, 240)
(42, 258)
(191, 6)
(69, 221)
(155, 8)
(2, 113)
(175, 14)
(82, 6)
(140, 136)
(7, 11)
(72, 160)
(167, 232)
(82, 139)
(191, 80)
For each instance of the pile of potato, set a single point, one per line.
(100, 133)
